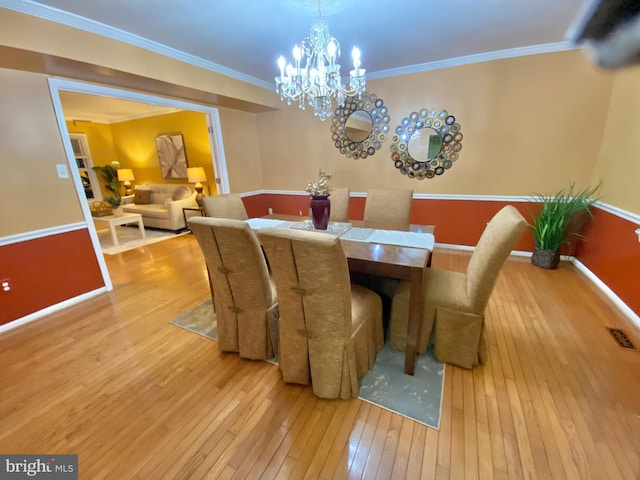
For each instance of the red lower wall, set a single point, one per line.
(47, 271)
(610, 249)
(458, 222)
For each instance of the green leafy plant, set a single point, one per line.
(561, 216)
(109, 175)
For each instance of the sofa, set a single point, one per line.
(161, 204)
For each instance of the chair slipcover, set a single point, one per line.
(388, 208)
(455, 301)
(330, 330)
(245, 301)
(339, 205)
(228, 205)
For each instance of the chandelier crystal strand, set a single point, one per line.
(314, 77)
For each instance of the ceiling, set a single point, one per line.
(243, 39)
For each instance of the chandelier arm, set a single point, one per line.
(318, 82)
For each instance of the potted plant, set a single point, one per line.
(320, 204)
(109, 175)
(558, 219)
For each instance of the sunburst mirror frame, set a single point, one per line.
(373, 106)
(442, 123)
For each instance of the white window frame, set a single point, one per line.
(85, 156)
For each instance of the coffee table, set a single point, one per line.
(112, 221)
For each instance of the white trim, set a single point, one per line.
(65, 18)
(619, 212)
(607, 291)
(45, 232)
(615, 299)
(57, 84)
(75, 21)
(632, 217)
(582, 18)
(477, 58)
(217, 148)
(253, 193)
(51, 309)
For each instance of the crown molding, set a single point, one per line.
(75, 21)
(477, 58)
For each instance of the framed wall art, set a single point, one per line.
(172, 156)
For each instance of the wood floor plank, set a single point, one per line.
(111, 380)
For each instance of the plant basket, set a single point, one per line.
(543, 258)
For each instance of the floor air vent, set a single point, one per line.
(621, 338)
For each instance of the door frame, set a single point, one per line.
(218, 160)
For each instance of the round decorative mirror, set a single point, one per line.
(360, 126)
(426, 143)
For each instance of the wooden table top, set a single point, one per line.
(388, 256)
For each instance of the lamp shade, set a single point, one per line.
(125, 174)
(196, 174)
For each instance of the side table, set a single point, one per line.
(192, 209)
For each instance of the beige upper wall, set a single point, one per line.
(619, 161)
(18, 30)
(530, 124)
(240, 137)
(33, 197)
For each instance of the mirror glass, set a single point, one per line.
(358, 126)
(425, 144)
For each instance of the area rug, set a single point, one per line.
(130, 238)
(418, 397)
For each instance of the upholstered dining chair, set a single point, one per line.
(455, 302)
(245, 300)
(388, 208)
(228, 205)
(339, 205)
(330, 330)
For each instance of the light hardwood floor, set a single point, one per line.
(137, 398)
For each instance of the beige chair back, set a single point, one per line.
(314, 293)
(388, 208)
(339, 205)
(494, 246)
(229, 205)
(455, 302)
(245, 304)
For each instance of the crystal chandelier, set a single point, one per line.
(315, 76)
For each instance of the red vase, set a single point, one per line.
(320, 211)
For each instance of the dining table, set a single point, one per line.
(403, 255)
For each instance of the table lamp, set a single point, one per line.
(197, 175)
(126, 175)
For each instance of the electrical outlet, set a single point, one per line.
(6, 286)
(270, 211)
(638, 233)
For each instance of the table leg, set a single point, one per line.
(114, 236)
(141, 227)
(416, 313)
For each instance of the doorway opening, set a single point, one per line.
(59, 87)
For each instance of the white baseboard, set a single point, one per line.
(51, 309)
(623, 307)
(607, 291)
